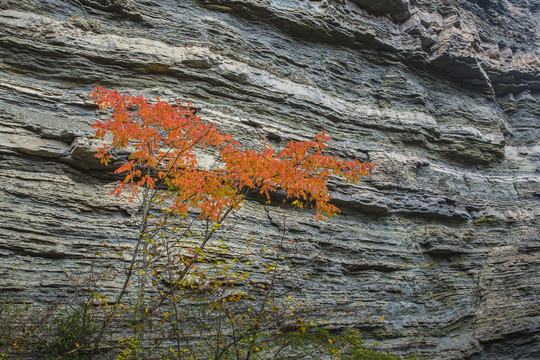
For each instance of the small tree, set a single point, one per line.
(166, 142)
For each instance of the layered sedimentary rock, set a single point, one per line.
(443, 97)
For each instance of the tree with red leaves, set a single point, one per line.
(166, 143)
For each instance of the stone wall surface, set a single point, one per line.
(442, 96)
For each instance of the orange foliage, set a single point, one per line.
(165, 140)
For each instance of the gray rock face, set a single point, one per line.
(442, 96)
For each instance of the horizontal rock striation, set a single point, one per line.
(442, 96)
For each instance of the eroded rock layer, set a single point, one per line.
(442, 96)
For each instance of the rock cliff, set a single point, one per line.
(443, 97)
